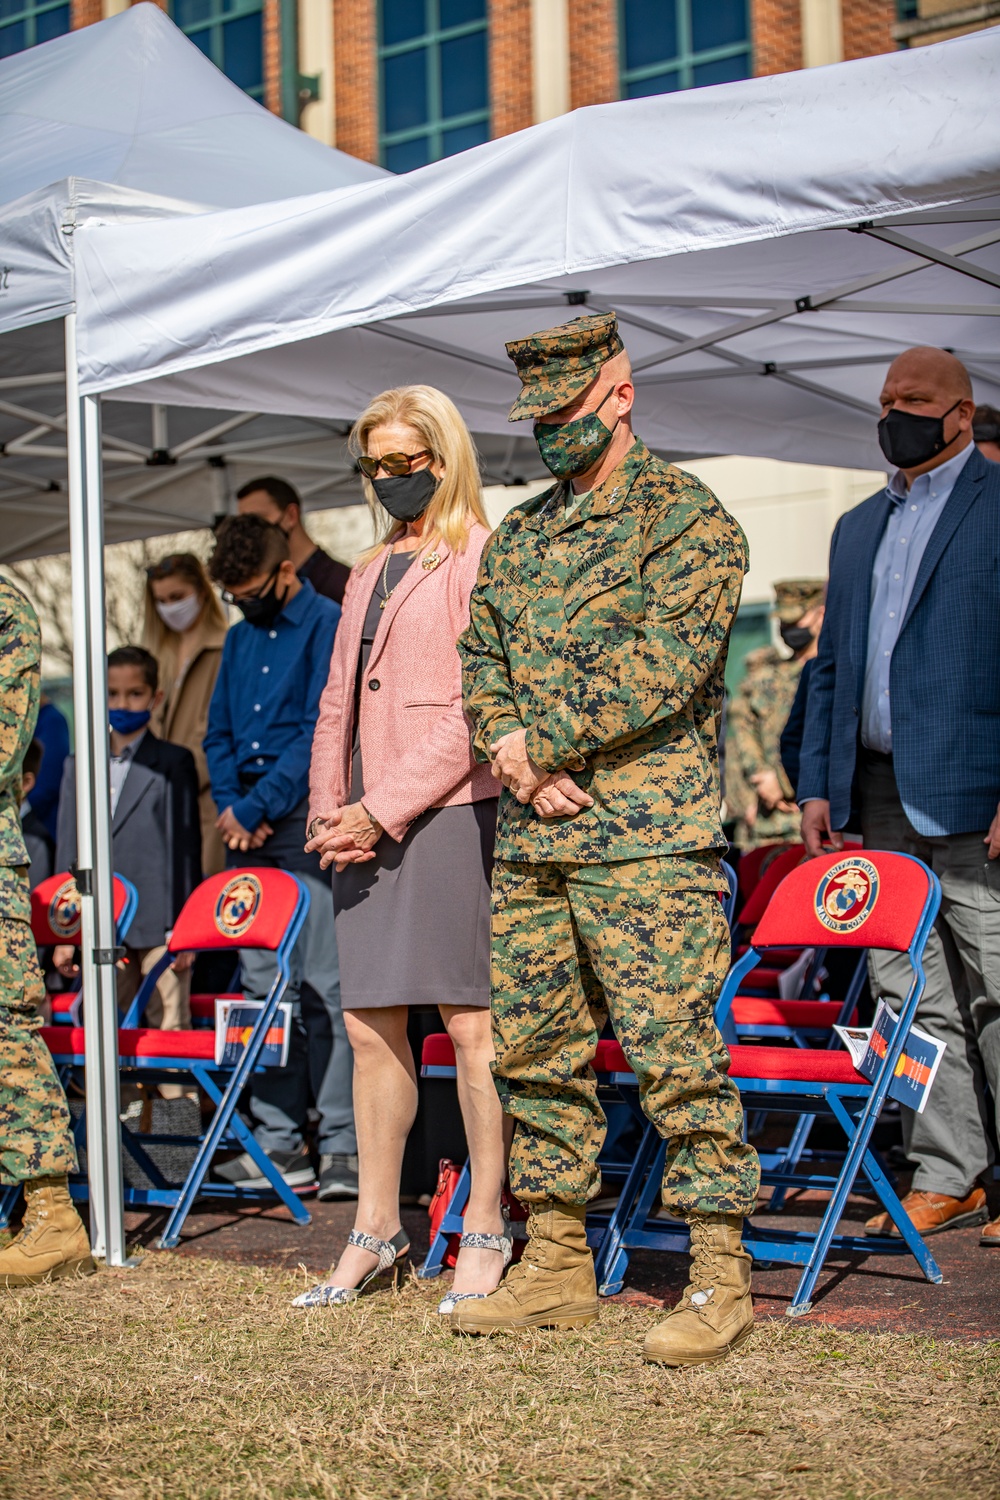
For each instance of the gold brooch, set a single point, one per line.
(430, 562)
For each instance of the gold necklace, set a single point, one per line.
(387, 592)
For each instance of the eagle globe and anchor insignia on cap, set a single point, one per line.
(64, 910)
(238, 905)
(847, 893)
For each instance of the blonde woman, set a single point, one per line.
(185, 629)
(399, 805)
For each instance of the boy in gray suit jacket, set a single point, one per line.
(155, 834)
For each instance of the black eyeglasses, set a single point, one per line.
(230, 598)
(395, 464)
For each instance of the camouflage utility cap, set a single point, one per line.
(558, 364)
(796, 595)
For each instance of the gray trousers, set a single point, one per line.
(320, 1062)
(961, 1004)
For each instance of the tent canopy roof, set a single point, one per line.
(131, 101)
(721, 223)
(127, 121)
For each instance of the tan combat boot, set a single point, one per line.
(715, 1314)
(552, 1286)
(52, 1241)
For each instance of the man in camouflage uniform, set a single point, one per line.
(36, 1141)
(593, 675)
(759, 711)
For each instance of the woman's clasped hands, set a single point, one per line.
(347, 836)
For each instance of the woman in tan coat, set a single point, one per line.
(185, 629)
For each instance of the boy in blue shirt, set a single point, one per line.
(258, 746)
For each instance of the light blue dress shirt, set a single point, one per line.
(915, 513)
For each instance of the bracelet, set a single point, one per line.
(311, 830)
(376, 825)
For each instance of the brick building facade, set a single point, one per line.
(407, 81)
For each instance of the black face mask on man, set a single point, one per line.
(265, 608)
(909, 440)
(406, 496)
(795, 637)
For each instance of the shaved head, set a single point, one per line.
(926, 382)
(933, 368)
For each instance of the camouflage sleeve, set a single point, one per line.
(691, 587)
(487, 694)
(20, 674)
(743, 731)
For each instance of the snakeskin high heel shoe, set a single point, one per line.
(390, 1253)
(502, 1242)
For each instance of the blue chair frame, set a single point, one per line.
(856, 1108)
(222, 1085)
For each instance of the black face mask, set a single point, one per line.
(795, 637)
(265, 609)
(908, 441)
(406, 496)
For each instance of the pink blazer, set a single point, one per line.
(414, 736)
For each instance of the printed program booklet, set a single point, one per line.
(236, 1019)
(918, 1062)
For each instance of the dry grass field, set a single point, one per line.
(194, 1378)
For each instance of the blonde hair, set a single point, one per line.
(458, 501)
(158, 637)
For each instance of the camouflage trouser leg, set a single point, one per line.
(637, 938)
(36, 1138)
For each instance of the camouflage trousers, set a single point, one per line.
(642, 941)
(36, 1138)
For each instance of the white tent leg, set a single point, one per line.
(93, 794)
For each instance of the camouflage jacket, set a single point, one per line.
(757, 715)
(20, 686)
(605, 633)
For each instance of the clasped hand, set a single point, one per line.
(344, 837)
(235, 836)
(553, 794)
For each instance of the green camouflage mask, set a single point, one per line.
(571, 448)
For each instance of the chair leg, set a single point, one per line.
(610, 1261)
(225, 1118)
(793, 1155)
(902, 1220)
(434, 1264)
(8, 1203)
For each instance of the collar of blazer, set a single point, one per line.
(965, 492)
(141, 777)
(411, 580)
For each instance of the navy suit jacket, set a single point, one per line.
(155, 834)
(944, 680)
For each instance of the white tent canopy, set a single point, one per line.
(127, 121)
(768, 245)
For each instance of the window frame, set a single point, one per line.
(239, 10)
(687, 59)
(29, 12)
(430, 40)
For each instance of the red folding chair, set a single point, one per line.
(252, 908)
(866, 899)
(55, 919)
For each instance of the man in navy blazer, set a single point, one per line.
(903, 723)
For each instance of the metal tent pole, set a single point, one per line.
(93, 794)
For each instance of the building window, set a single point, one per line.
(231, 33)
(433, 79)
(682, 44)
(25, 22)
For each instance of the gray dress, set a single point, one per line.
(413, 925)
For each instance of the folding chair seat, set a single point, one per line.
(55, 919)
(875, 900)
(203, 1008)
(252, 908)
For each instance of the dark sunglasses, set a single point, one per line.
(163, 568)
(396, 464)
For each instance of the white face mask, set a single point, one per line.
(179, 614)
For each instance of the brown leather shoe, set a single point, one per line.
(933, 1213)
(991, 1234)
